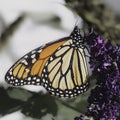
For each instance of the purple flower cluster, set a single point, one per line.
(79, 118)
(104, 101)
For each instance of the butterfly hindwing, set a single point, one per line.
(65, 73)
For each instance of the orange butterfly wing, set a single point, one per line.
(43, 58)
(28, 69)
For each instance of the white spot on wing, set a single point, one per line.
(33, 56)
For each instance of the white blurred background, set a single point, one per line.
(36, 29)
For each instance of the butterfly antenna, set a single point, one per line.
(78, 22)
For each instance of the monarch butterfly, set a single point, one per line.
(60, 66)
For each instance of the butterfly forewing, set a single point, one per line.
(28, 69)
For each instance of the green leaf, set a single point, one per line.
(19, 93)
(66, 112)
(7, 104)
(40, 105)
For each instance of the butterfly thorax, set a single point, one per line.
(77, 38)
